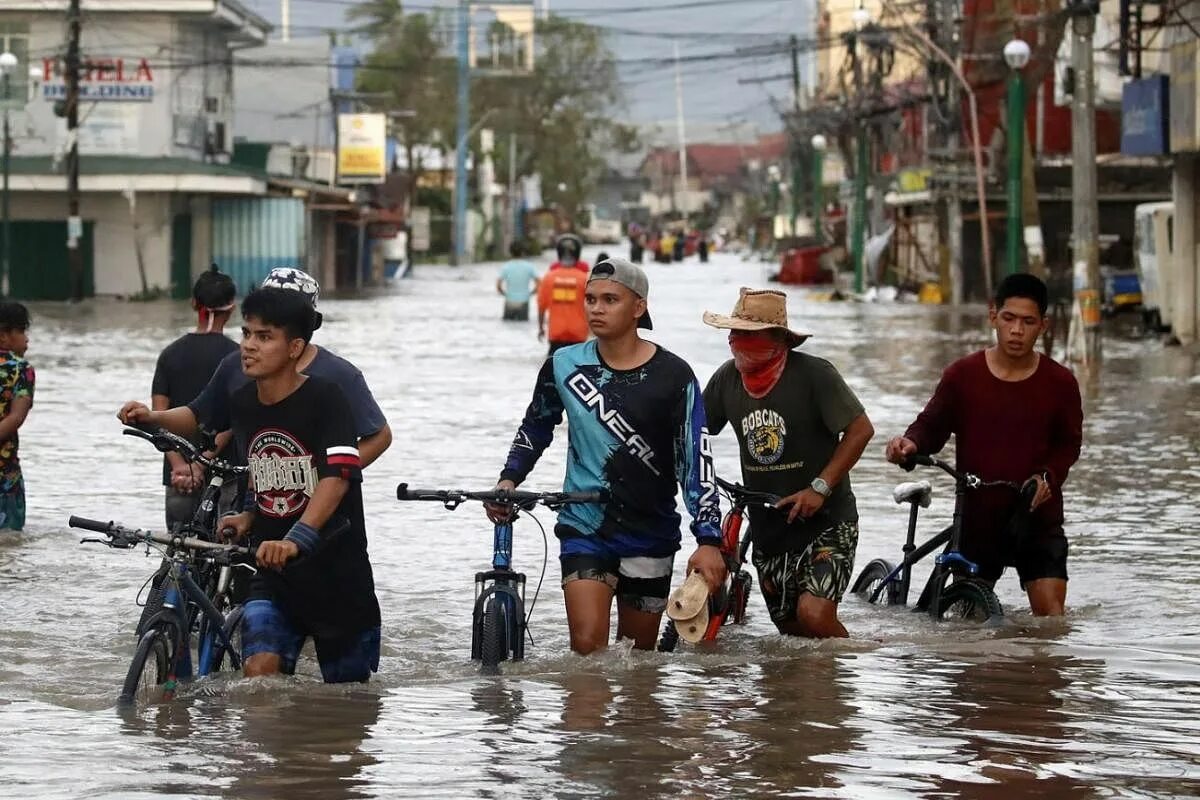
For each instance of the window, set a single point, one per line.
(14, 38)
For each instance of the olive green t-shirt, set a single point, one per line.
(786, 438)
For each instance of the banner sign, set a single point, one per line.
(362, 148)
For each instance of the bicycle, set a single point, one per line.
(163, 652)
(728, 605)
(215, 580)
(967, 597)
(499, 622)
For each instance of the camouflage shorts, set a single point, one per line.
(822, 570)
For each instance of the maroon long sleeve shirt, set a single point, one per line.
(1004, 430)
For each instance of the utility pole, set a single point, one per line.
(683, 165)
(460, 149)
(1085, 209)
(862, 157)
(285, 20)
(74, 222)
(797, 147)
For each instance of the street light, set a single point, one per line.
(1016, 55)
(818, 145)
(8, 63)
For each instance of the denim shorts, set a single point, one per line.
(266, 629)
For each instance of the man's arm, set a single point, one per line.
(179, 420)
(18, 410)
(544, 413)
(714, 405)
(1066, 441)
(855, 439)
(694, 468)
(499, 285)
(931, 430)
(370, 448)
(160, 402)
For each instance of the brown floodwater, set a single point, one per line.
(1100, 704)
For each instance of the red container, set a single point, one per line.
(802, 265)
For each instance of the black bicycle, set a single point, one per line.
(163, 653)
(966, 596)
(215, 579)
(729, 604)
(499, 622)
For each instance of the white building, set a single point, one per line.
(155, 139)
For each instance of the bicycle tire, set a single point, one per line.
(869, 579)
(493, 637)
(149, 670)
(669, 638)
(969, 599)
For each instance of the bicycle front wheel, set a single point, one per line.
(969, 599)
(493, 637)
(869, 583)
(149, 678)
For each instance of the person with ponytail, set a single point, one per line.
(184, 368)
(800, 429)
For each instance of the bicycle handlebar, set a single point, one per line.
(453, 498)
(971, 480)
(741, 495)
(125, 537)
(167, 442)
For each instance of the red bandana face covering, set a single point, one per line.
(760, 359)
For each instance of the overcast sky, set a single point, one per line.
(712, 95)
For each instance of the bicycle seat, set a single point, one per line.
(914, 492)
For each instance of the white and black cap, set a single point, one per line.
(630, 275)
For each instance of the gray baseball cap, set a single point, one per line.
(630, 275)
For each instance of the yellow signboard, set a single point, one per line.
(362, 148)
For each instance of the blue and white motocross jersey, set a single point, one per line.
(634, 433)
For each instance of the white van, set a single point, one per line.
(1153, 246)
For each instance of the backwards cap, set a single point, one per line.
(296, 280)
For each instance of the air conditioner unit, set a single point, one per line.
(217, 141)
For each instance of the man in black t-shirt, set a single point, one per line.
(297, 435)
(800, 429)
(183, 369)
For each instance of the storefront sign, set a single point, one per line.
(1145, 117)
(362, 148)
(107, 129)
(129, 80)
(1183, 98)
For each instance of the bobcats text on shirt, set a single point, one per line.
(636, 433)
(290, 446)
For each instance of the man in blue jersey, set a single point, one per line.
(637, 429)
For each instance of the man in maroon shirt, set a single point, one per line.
(1016, 416)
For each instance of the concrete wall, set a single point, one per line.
(182, 60)
(1185, 287)
(116, 237)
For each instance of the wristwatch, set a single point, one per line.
(821, 487)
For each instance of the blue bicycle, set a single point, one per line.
(499, 621)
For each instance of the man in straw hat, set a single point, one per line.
(800, 430)
(636, 430)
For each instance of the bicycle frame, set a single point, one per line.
(505, 587)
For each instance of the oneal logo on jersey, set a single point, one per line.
(589, 395)
(708, 473)
(283, 473)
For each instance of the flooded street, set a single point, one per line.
(1101, 704)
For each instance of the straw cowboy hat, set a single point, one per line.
(757, 310)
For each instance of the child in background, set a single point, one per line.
(16, 398)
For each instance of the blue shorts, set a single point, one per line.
(266, 629)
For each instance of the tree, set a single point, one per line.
(409, 66)
(379, 18)
(562, 113)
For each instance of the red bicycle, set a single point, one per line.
(728, 604)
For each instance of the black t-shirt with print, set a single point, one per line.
(290, 446)
(184, 368)
(786, 438)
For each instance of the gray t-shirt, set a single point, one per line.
(786, 438)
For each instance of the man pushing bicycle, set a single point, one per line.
(1016, 416)
(800, 429)
(637, 428)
